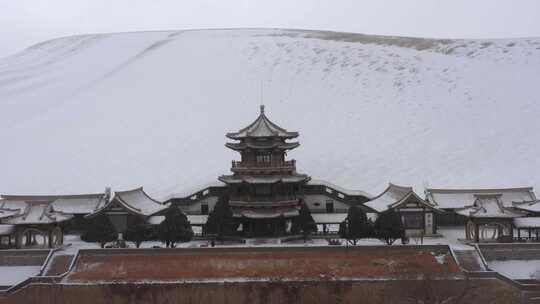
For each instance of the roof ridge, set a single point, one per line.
(141, 189)
(390, 185)
(477, 189)
(47, 196)
(398, 186)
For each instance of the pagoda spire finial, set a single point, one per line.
(262, 109)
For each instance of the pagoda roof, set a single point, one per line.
(263, 179)
(262, 145)
(262, 213)
(264, 204)
(262, 127)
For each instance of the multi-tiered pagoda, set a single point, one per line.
(265, 190)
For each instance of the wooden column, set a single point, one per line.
(476, 233)
(49, 236)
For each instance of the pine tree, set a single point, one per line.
(356, 226)
(174, 228)
(304, 222)
(220, 220)
(388, 227)
(138, 231)
(99, 230)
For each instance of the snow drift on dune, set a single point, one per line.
(152, 108)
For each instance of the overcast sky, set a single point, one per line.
(26, 22)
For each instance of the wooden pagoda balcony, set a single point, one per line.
(242, 167)
(275, 198)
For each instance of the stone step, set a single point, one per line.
(58, 265)
(469, 260)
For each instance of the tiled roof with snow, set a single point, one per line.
(37, 213)
(263, 179)
(266, 213)
(262, 145)
(262, 127)
(393, 196)
(43, 209)
(84, 205)
(489, 206)
(316, 182)
(11, 208)
(139, 202)
(193, 190)
(527, 222)
(461, 198)
(532, 206)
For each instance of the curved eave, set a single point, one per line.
(239, 135)
(141, 189)
(128, 207)
(398, 195)
(231, 179)
(243, 146)
(263, 204)
(159, 206)
(16, 220)
(264, 126)
(475, 213)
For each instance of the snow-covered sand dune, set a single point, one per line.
(151, 108)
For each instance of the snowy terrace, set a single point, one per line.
(16, 266)
(62, 258)
(515, 261)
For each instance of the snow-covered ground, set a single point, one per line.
(73, 243)
(449, 236)
(12, 275)
(516, 269)
(151, 108)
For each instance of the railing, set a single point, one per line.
(526, 239)
(289, 164)
(264, 198)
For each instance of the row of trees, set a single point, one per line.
(176, 228)
(387, 227)
(173, 229)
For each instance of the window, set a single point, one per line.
(317, 204)
(204, 209)
(263, 158)
(412, 220)
(329, 206)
